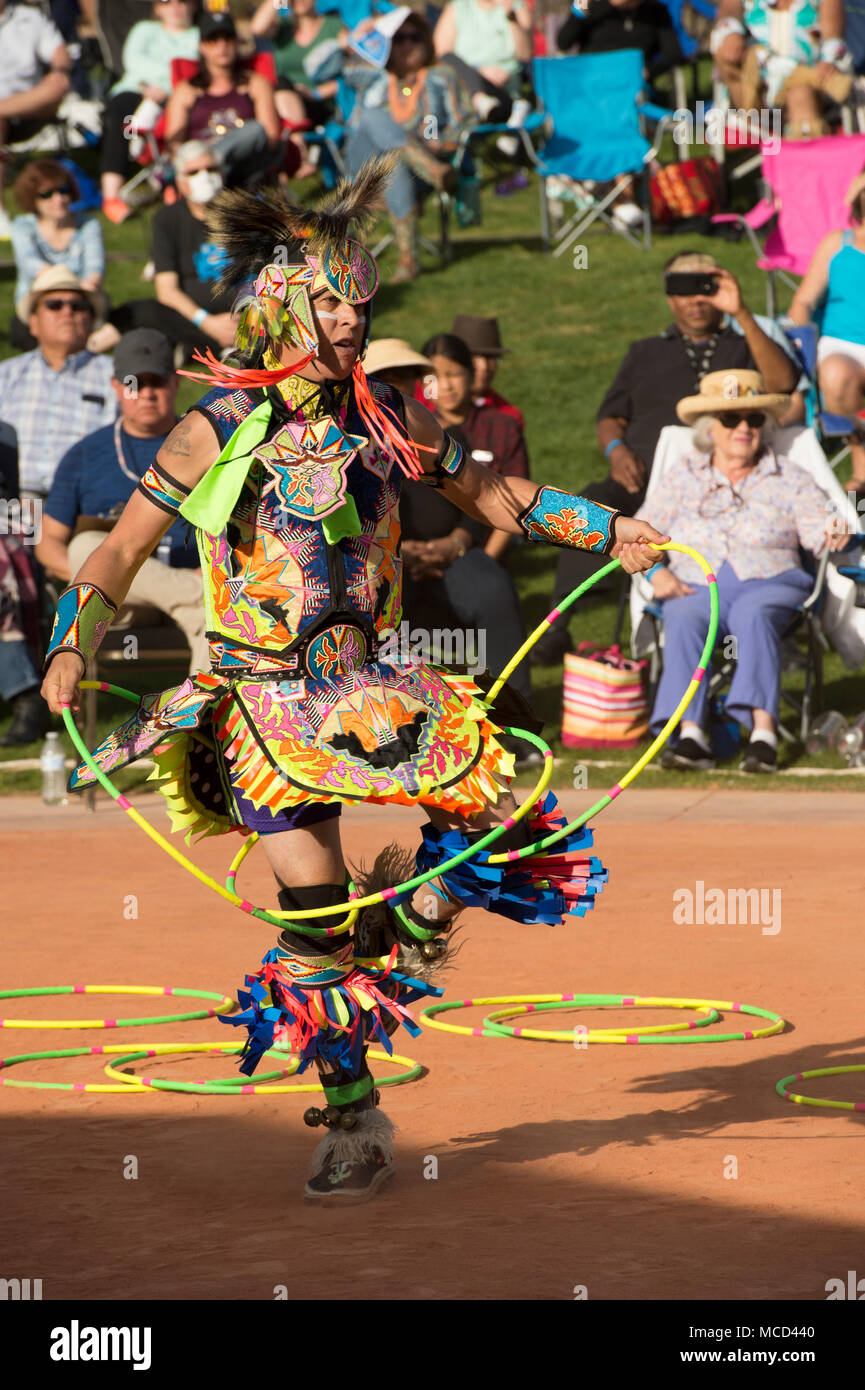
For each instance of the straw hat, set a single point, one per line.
(384, 354)
(60, 277)
(734, 389)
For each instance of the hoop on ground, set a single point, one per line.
(785, 1094)
(240, 1086)
(707, 1015)
(226, 1004)
(493, 1029)
(142, 1086)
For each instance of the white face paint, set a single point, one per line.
(323, 314)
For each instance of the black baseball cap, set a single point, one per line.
(210, 26)
(143, 352)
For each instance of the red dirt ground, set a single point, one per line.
(557, 1167)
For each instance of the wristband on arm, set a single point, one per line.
(198, 317)
(447, 465)
(84, 615)
(561, 518)
(613, 444)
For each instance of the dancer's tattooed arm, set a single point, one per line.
(521, 507)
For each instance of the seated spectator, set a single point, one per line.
(491, 42)
(136, 100)
(837, 273)
(20, 653)
(447, 577)
(34, 78)
(708, 333)
(48, 233)
(226, 105)
(99, 474)
(188, 309)
(790, 54)
(412, 106)
(483, 340)
(747, 511)
(494, 439)
(60, 392)
(607, 26)
(298, 33)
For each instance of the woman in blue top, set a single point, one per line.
(49, 233)
(836, 276)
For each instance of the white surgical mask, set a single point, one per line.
(204, 186)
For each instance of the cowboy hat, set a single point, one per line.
(733, 389)
(481, 336)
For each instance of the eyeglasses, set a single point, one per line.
(719, 500)
(409, 37)
(63, 189)
(730, 419)
(77, 306)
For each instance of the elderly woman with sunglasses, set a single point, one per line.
(748, 511)
(49, 233)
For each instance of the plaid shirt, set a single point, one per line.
(756, 527)
(498, 439)
(50, 410)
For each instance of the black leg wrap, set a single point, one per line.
(301, 899)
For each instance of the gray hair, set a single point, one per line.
(703, 430)
(194, 149)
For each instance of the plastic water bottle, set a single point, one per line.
(53, 764)
(852, 740)
(825, 732)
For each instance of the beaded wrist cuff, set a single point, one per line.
(561, 518)
(84, 615)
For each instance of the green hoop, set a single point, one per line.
(782, 1085)
(240, 1086)
(496, 1030)
(226, 1004)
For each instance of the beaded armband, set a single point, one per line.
(447, 465)
(561, 518)
(162, 490)
(84, 615)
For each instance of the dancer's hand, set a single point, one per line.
(60, 686)
(631, 548)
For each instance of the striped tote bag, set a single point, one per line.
(605, 700)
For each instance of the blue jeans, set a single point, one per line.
(755, 612)
(375, 133)
(17, 672)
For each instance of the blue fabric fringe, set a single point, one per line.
(519, 890)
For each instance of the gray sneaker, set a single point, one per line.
(351, 1165)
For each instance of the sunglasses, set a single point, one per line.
(410, 37)
(730, 419)
(77, 306)
(63, 189)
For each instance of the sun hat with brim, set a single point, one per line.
(386, 354)
(51, 281)
(731, 390)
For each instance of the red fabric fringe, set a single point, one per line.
(221, 374)
(386, 434)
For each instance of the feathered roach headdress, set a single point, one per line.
(290, 252)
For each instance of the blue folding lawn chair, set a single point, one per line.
(599, 113)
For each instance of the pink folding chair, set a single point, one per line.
(805, 185)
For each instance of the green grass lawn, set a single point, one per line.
(568, 330)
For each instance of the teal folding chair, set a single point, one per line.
(599, 113)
